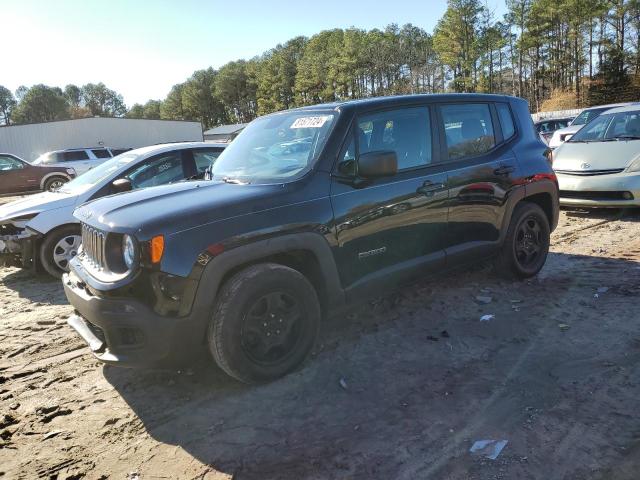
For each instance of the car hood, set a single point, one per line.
(35, 204)
(595, 155)
(173, 208)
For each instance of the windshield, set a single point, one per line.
(44, 158)
(617, 126)
(274, 148)
(97, 174)
(587, 115)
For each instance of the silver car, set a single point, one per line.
(587, 115)
(600, 165)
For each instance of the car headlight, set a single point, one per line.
(129, 251)
(634, 166)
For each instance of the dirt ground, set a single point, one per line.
(399, 388)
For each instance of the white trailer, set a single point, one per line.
(32, 140)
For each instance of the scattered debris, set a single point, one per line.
(564, 326)
(486, 318)
(53, 433)
(444, 334)
(432, 338)
(483, 299)
(488, 448)
(343, 384)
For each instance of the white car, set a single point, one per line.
(41, 229)
(600, 165)
(562, 135)
(80, 159)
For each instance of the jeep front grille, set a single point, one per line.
(93, 241)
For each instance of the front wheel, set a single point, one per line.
(526, 245)
(264, 324)
(58, 248)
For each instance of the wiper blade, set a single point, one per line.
(627, 137)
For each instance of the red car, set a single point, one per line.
(18, 176)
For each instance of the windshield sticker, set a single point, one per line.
(310, 122)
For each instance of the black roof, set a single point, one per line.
(373, 102)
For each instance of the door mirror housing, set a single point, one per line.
(122, 185)
(378, 164)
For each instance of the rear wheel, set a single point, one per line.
(54, 183)
(58, 248)
(526, 245)
(264, 324)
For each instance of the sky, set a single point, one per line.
(142, 48)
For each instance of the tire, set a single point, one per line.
(61, 242)
(249, 336)
(526, 245)
(54, 183)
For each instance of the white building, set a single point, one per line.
(31, 140)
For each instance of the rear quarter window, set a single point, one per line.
(506, 121)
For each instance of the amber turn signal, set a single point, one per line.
(157, 248)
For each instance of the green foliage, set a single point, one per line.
(200, 101)
(588, 47)
(41, 103)
(7, 104)
(102, 101)
(172, 107)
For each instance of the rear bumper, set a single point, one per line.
(124, 331)
(600, 190)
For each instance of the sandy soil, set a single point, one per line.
(398, 388)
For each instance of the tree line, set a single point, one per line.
(562, 53)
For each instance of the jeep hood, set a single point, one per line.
(595, 155)
(35, 204)
(176, 207)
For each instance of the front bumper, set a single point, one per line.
(600, 190)
(123, 331)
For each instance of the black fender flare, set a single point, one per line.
(521, 193)
(222, 264)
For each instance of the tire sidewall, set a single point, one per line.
(237, 297)
(523, 213)
(47, 184)
(49, 243)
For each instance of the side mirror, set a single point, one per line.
(122, 185)
(378, 164)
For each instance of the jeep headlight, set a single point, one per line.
(129, 251)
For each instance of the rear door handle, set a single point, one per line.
(504, 170)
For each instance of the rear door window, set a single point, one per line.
(160, 170)
(101, 153)
(9, 163)
(74, 156)
(468, 129)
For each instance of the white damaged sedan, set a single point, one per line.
(41, 229)
(600, 165)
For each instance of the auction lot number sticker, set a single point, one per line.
(310, 122)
